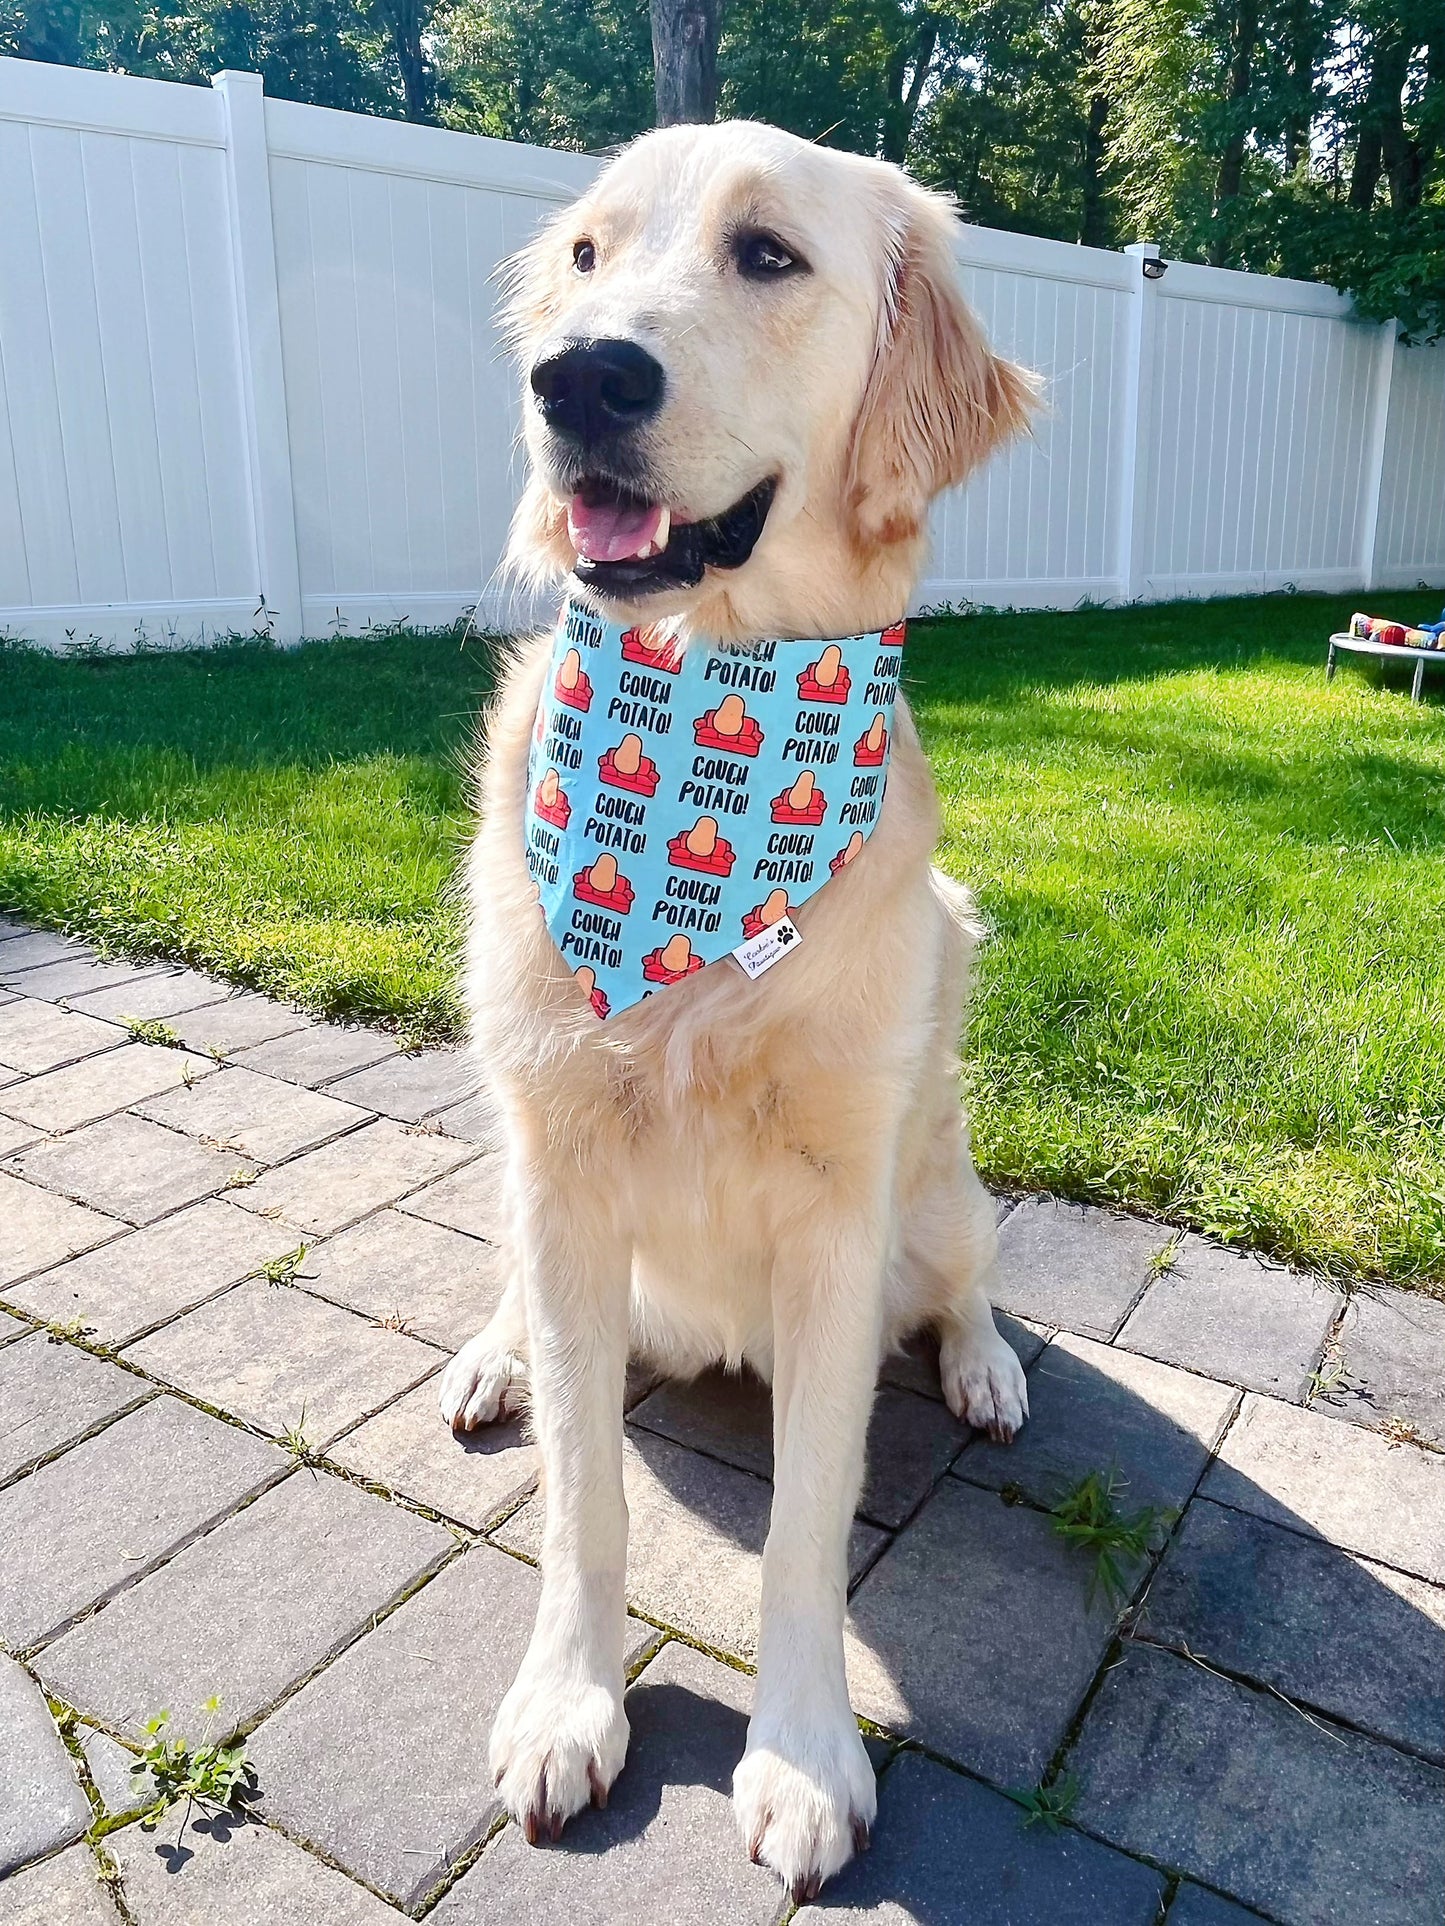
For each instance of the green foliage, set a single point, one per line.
(295, 1439)
(152, 1030)
(562, 73)
(282, 1270)
(212, 1774)
(1048, 1805)
(1088, 1518)
(68, 1330)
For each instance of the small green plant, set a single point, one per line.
(1163, 1261)
(1329, 1374)
(241, 1179)
(295, 1440)
(212, 1774)
(282, 1270)
(152, 1030)
(1047, 1805)
(72, 1328)
(1087, 1516)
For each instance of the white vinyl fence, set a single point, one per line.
(249, 377)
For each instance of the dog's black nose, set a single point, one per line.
(592, 389)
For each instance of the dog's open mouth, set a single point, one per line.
(627, 545)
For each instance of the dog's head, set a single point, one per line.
(749, 369)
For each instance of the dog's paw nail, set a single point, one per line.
(862, 1837)
(807, 1886)
(596, 1786)
(555, 1828)
(529, 1828)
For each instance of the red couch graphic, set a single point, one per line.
(550, 801)
(652, 648)
(870, 751)
(585, 978)
(570, 684)
(626, 767)
(729, 727)
(602, 883)
(827, 679)
(846, 853)
(702, 848)
(672, 962)
(771, 910)
(803, 803)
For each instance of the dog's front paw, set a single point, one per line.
(557, 1745)
(482, 1384)
(805, 1804)
(983, 1381)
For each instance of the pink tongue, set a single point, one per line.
(609, 532)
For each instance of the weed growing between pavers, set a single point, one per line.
(1088, 1518)
(1163, 1261)
(152, 1030)
(281, 1270)
(1049, 1804)
(295, 1440)
(72, 1331)
(212, 1774)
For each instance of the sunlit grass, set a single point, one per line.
(1218, 899)
(1215, 882)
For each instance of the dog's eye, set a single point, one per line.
(584, 256)
(762, 256)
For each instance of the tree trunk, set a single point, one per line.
(406, 22)
(684, 59)
(1382, 132)
(1231, 160)
(1093, 215)
(1399, 153)
(1304, 56)
(904, 98)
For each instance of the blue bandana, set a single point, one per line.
(682, 803)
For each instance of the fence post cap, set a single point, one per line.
(236, 77)
(1143, 250)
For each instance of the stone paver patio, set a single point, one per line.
(272, 1234)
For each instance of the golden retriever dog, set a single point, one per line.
(749, 369)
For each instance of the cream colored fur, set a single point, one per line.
(774, 1172)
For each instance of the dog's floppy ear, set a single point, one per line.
(937, 401)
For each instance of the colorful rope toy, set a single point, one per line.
(1379, 628)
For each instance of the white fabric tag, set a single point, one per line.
(762, 951)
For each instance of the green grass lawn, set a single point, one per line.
(1215, 883)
